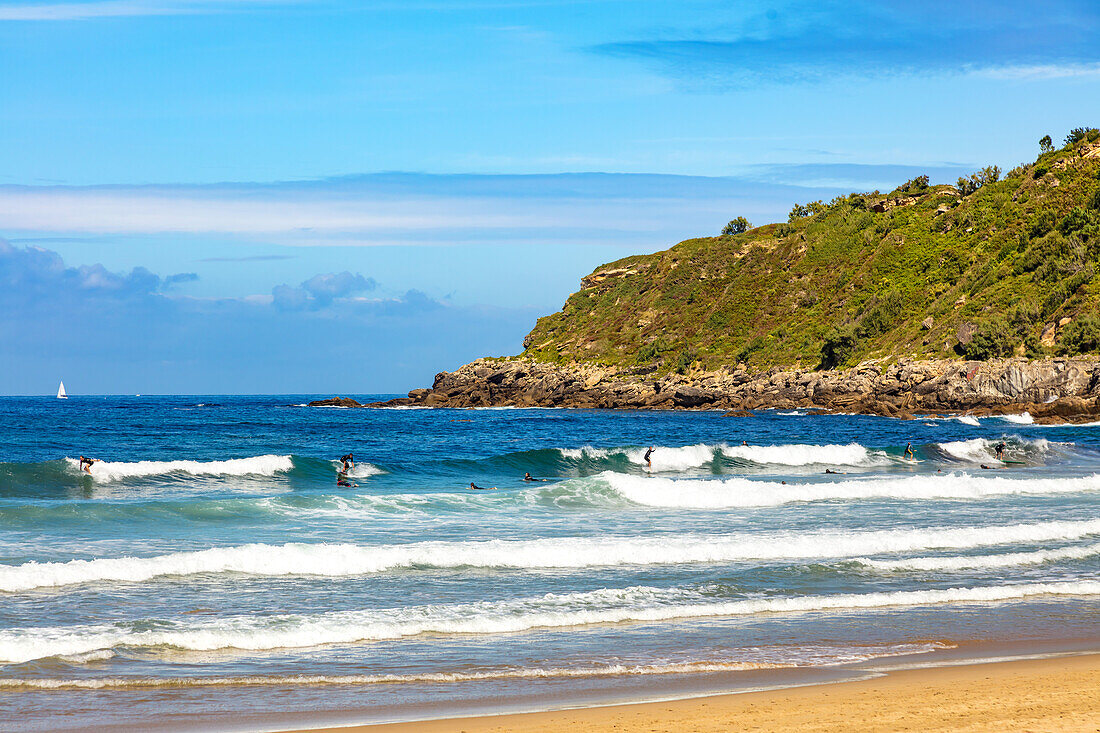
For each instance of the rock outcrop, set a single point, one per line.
(1055, 390)
(336, 402)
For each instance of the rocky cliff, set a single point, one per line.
(1054, 390)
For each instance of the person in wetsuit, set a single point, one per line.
(86, 464)
(999, 449)
(909, 452)
(475, 487)
(529, 477)
(648, 453)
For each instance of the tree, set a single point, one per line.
(740, 225)
(1046, 145)
(1078, 134)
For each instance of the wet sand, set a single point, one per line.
(1060, 694)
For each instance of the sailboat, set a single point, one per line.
(61, 392)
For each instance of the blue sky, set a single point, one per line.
(351, 196)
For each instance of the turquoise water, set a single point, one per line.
(210, 574)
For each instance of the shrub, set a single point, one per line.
(881, 317)
(915, 186)
(686, 358)
(1064, 290)
(993, 339)
(798, 211)
(1040, 171)
(1046, 145)
(1078, 218)
(1081, 336)
(838, 347)
(1042, 224)
(989, 174)
(751, 348)
(740, 225)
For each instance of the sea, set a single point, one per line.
(210, 574)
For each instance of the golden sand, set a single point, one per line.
(1061, 694)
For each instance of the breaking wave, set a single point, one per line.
(1011, 559)
(694, 456)
(743, 492)
(549, 611)
(565, 552)
(267, 465)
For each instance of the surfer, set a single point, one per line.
(342, 480)
(829, 470)
(475, 487)
(909, 452)
(999, 449)
(86, 464)
(529, 477)
(348, 462)
(648, 453)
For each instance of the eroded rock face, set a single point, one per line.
(1052, 391)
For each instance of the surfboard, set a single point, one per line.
(1019, 462)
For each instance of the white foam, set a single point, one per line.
(967, 420)
(663, 458)
(1011, 559)
(743, 492)
(549, 611)
(692, 456)
(781, 658)
(852, 454)
(267, 465)
(360, 470)
(556, 552)
(1024, 418)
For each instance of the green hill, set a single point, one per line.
(991, 267)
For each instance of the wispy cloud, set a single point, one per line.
(252, 258)
(812, 42)
(408, 209)
(117, 9)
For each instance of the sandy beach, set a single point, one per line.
(1059, 694)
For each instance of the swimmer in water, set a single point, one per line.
(529, 477)
(475, 487)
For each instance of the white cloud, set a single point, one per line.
(639, 210)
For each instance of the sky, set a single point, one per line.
(327, 196)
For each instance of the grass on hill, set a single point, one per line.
(995, 263)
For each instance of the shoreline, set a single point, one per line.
(1049, 693)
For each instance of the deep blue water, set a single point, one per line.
(210, 573)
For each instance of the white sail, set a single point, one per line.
(61, 392)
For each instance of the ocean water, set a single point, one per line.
(209, 574)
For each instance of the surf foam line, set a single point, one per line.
(693, 456)
(816, 657)
(267, 465)
(333, 560)
(743, 492)
(1010, 559)
(549, 611)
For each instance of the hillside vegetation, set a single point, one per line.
(992, 267)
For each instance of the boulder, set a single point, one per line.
(335, 402)
(927, 323)
(965, 333)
